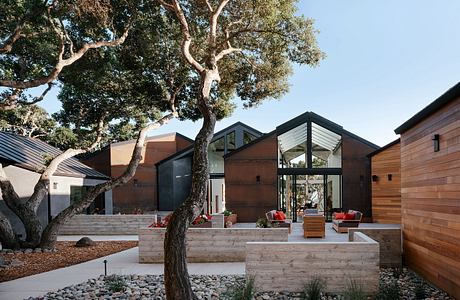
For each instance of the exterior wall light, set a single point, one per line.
(55, 185)
(258, 179)
(436, 142)
(375, 178)
(390, 177)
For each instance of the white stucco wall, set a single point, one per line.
(24, 181)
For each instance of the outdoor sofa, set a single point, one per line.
(341, 221)
(277, 223)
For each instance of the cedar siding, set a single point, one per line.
(430, 183)
(386, 193)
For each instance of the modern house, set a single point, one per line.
(308, 161)
(174, 172)
(140, 193)
(430, 191)
(23, 159)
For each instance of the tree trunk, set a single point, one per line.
(25, 212)
(7, 237)
(177, 283)
(49, 236)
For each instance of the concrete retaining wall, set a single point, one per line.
(208, 244)
(289, 266)
(106, 224)
(389, 240)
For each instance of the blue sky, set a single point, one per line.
(386, 60)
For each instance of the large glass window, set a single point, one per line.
(326, 147)
(215, 154)
(231, 143)
(248, 137)
(293, 147)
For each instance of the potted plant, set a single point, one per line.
(229, 216)
(202, 221)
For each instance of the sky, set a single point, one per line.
(386, 60)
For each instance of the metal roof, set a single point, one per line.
(30, 154)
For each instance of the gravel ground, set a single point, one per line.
(214, 287)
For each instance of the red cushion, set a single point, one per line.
(277, 216)
(281, 213)
(339, 216)
(349, 216)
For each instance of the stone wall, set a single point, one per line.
(289, 266)
(208, 244)
(106, 224)
(389, 240)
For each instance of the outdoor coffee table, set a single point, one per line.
(313, 226)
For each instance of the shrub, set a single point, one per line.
(314, 288)
(227, 213)
(262, 223)
(354, 291)
(389, 291)
(115, 283)
(242, 291)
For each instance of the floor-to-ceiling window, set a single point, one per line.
(309, 167)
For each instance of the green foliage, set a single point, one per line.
(314, 288)
(262, 223)
(243, 291)
(354, 291)
(389, 291)
(398, 272)
(227, 213)
(115, 283)
(30, 120)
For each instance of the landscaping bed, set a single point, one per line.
(219, 287)
(26, 264)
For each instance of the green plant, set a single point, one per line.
(420, 292)
(354, 291)
(227, 213)
(262, 223)
(314, 288)
(115, 283)
(389, 291)
(242, 291)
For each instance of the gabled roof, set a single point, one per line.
(217, 135)
(384, 147)
(29, 153)
(450, 95)
(317, 119)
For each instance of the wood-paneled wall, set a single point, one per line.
(386, 194)
(430, 192)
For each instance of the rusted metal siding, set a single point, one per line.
(246, 196)
(356, 175)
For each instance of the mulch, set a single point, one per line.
(67, 255)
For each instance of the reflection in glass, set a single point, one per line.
(293, 147)
(248, 137)
(231, 144)
(326, 147)
(216, 152)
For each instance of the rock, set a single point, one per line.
(46, 250)
(38, 250)
(3, 263)
(85, 242)
(28, 250)
(16, 263)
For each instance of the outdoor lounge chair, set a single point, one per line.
(277, 223)
(341, 226)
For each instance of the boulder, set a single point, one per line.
(85, 242)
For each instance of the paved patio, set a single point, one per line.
(126, 262)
